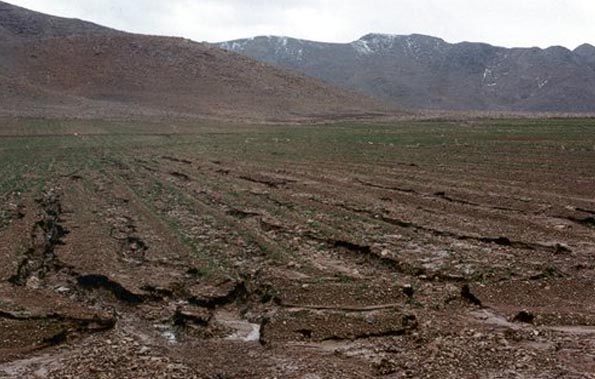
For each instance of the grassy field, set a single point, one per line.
(405, 249)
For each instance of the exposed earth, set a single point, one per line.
(67, 68)
(211, 250)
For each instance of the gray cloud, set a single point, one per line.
(503, 22)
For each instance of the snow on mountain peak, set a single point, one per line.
(378, 42)
(374, 43)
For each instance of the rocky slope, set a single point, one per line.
(62, 67)
(426, 72)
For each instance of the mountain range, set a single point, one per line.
(423, 72)
(58, 67)
(52, 66)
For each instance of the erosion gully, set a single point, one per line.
(211, 250)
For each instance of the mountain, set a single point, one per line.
(586, 53)
(63, 67)
(425, 72)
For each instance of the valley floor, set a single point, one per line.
(208, 250)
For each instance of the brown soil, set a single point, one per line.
(178, 257)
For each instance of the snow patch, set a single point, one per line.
(362, 47)
(374, 43)
(278, 41)
(489, 78)
(233, 45)
(486, 73)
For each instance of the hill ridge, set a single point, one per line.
(421, 71)
(66, 67)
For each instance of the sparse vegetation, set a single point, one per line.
(319, 241)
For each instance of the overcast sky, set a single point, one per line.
(501, 22)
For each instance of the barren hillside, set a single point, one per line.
(88, 68)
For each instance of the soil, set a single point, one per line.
(404, 250)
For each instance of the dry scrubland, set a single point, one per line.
(410, 249)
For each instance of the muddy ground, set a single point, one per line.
(405, 250)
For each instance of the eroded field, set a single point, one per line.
(422, 250)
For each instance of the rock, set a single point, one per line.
(33, 282)
(62, 290)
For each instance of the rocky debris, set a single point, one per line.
(46, 234)
(121, 359)
(386, 366)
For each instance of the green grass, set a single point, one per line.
(53, 148)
